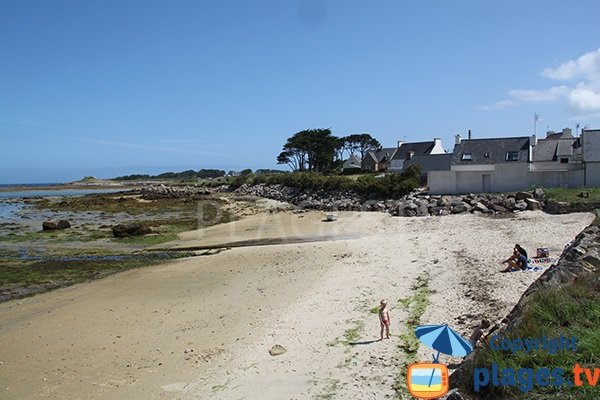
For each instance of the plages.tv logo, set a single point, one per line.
(429, 380)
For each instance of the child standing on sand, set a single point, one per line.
(384, 319)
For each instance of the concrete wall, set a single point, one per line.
(592, 171)
(504, 178)
(570, 179)
(591, 145)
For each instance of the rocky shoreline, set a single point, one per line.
(418, 203)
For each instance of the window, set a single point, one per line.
(487, 154)
(512, 156)
(467, 156)
(564, 160)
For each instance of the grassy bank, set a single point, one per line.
(573, 195)
(390, 185)
(572, 310)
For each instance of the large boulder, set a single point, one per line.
(533, 204)
(56, 225)
(523, 195)
(480, 207)
(130, 229)
(521, 205)
(461, 208)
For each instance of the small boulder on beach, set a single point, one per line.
(56, 225)
(130, 229)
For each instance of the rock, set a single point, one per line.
(56, 225)
(130, 229)
(533, 204)
(409, 212)
(498, 208)
(509, 203)
(480, 207)
(422, 210)
(461, 208)
(523, 195)
(538, 193)
(520, 205)
(277, 350)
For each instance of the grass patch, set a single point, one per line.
(329, 390)
(352, 335)
(572, 195)
(62, 271)
(415, 305)
(572, 310)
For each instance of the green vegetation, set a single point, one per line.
(318, 150)
(61, 271)
(189, 174)
(390, 185)
(573, 195)
(353, 334)
(415, 305)
(329, 390)
(572, 310)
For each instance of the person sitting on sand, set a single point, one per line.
(384, 319)
(516, 262)
(521, 250)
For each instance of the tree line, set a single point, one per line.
(189, 174)
(318, 150)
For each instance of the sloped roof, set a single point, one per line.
(417, 148)
(352, 162)
(551, 149)
(496, 147)
(384, 154)
(431, 162)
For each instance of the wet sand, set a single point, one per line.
(201, 328)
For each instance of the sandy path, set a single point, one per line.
(126, 336)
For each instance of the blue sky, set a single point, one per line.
(112, 87)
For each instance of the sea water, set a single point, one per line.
(10, 203)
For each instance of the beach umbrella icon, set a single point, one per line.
(443, 339)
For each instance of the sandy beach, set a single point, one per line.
(202, 327)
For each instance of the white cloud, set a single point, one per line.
(539, 96)
(585, 67)
(499, 105)
(582, 98)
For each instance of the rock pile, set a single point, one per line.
(415, 204)
(155, 192)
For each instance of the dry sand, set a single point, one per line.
(202, 328)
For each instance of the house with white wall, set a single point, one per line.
(517, 163)
(590, 149)
(483, 165)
